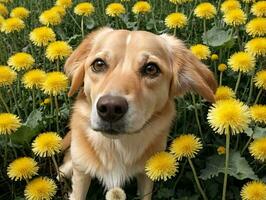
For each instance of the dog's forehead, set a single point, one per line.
(135, 40)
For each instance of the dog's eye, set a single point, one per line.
(98, 66)
(150, 69)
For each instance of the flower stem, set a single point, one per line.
(4, 103)
(33, 99)
(258, 96)
(57, 65)
(246, 145)
(205, 30)
(51, 111)
(174, 34)
(197, 117)
(57, 113)
(237, 82)
(15, 99)
(82, 26)
(197, 180)
(221, 79)
(258, 170)
(5, 151)
(56, 167)
(226, 163)
(250, 88)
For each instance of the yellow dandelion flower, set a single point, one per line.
(7, 76)
(41, 36)
(85, 9)
(50, 17)
(258, 113)
(254, 190)
(8, 123)
(34, 78)
(47, 144)
(115, 194)
(221, 150)
(201, 51)
(55, 83)
(12, 24)
(235, 17)
(141, 7)
(21, 61)
(176, 20)
(115, 9)
(242, 61)
(58, 50)
(260, 79)
(222, 67)
(230, 5)
(256, 46)
(205, 11)
(64, 3)
(259, 9)
(47, 101)
(256, 27)
(22, 168)
(214, 57)
(2, 19)
(3, 10)
(224, 92)
(5, 1)
(41, 188)
(180, 1)
(60, 10)
(161, 166)
(229, 115)
(20, 12)
(257, 149)
(186, 146)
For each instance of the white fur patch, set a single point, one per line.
(128, 39)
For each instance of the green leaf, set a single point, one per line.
(194, 197)
(90, 23)
(217, 37)
(150, 24)
(33, 119)
(238, 167)
(165, 193)
(23, 135)
(258, 132)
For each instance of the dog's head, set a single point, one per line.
(129, 76)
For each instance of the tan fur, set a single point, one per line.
(114, 160)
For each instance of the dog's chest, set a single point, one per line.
(118, 161)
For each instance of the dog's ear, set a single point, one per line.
(74, 66)
(189, 73)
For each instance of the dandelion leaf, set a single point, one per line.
(238, 167)
(258, 132)
(33, 119)
(28, 130)
(217, 37)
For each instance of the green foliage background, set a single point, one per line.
(222, 39)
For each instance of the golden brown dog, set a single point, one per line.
(125, 107)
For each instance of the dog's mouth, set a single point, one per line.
(111, 129)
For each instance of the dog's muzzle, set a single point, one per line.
(111, 110)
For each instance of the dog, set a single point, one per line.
(127, 82)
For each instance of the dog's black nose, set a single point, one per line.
(111, 108)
